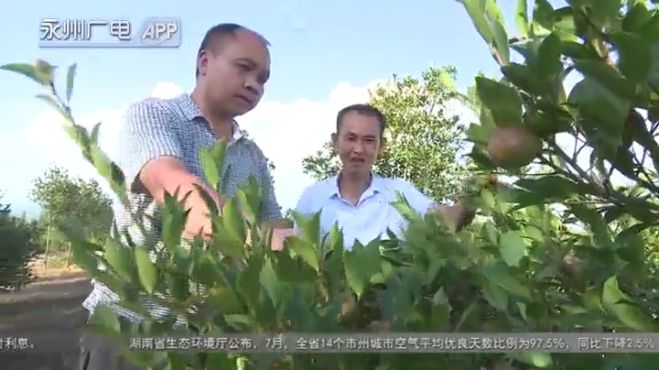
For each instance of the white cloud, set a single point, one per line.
(166, 90)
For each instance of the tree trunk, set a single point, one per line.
(68, 255)
(45, 260)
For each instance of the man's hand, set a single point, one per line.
(279, 237)
(281, 229)
(167, 174)
(456, 216)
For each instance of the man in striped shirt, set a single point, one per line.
(161, 139)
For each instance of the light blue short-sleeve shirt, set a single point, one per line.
(370, 217)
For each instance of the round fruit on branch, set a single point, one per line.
(513, 146)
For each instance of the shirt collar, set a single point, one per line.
(191, 111)
(375, 186)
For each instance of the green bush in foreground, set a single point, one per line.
(524, 267)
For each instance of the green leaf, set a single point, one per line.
(512, 248)
(630, 245)
(441, 311)
(219, 361)
(596, 224)
(502, 100)
(106, 321)
(403, 207)
(521, 18)
(637, 16)
(534, 358)
(575, 50)
(604, 112)
(50, 100)
(603, 12)
(271, 284)
(617, 302)
(27, 70)
(634, 60)
(101, 161)
(232, 219)
(606, 75)
(84, 257)
(207, 272)
(500, 42)
(119, 258)
(225, 301)
(227, 244)
(95, 132)
(548, 62)
(360, 264)
(523, 77)
(173, 221)
(591, 300)
(239, 322)
(550, 187)
(70, 76)
(543, 18)
(247, 283)
(292, 270)
(528, 49)
(146, 269)
(212, 161)
(500, 275)
(208, 200)
(495, 295)
(248, 198)
(564, 25)
(477, 13)
(209, 166)
(309, 227)
(304, 249)
(178, 286)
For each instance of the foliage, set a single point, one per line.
(422, 137)
(73, 201)
(559, 249)
(18, 247)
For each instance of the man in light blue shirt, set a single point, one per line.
(356, 198)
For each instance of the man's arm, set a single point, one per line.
(271, 208)
(152, 161)
(458, 214)
(166, 174)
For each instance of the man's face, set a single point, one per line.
(358, 142)
(235, 76)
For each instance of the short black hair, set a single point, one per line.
(365, 109)
(218, 33)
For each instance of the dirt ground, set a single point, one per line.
(48, 314)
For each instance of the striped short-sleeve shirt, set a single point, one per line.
(175, 127)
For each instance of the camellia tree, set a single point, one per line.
(559, 250)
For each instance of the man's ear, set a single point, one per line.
(383, 144)
(202, 62)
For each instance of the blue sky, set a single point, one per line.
(324, 55)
